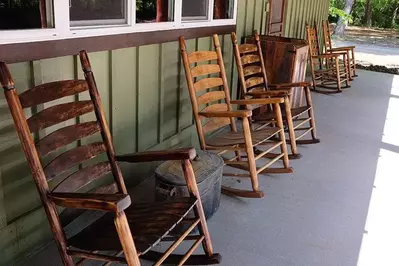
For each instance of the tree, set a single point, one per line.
(368, 13)
(342, 22)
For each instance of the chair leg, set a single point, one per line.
(313, 75)
(338, 76)
(348, 76)
(283, 145)
(311, 114)
(125, 236)
(353, 62)
(250, 154)
(291, 131)
(198, 209)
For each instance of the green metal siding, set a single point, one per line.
(144, 94)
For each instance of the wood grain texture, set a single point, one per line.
(250, 59)
(247, 48)
(207, 83)
(254, 81)
(51, 91)
(210, 97)
(88, 201)
(65, 136)
(214, 124)
(251, 70)
(218, 107)
(58, 113)
(202, 70)
(200, 56)
(73, 157)
(83, 177)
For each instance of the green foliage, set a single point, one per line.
(382, 12)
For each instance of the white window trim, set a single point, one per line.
(63, 29)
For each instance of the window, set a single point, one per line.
(195, 10)
(97, 12)
(37, 20)
(25, 14)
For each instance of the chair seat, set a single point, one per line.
(236, 138)
(149, 222)
(267, 116)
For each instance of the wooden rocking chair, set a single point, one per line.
(125, 229)
(212, 116)
(329, 70)
(253, 82)
(350, 50)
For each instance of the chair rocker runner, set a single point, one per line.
(212, 116)
(253, 83)
(329, 70)
(127, 230)
(350, 50)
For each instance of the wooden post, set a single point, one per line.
(220, 9)
(43, 13)
(162, 10)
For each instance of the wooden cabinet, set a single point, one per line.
(285, 61)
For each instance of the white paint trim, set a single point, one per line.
(63, 30)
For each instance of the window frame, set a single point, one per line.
(64, 30)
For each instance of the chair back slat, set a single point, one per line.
(314, 46)
(200, 56)
(247, 48)
(250, 59)
(59, 113)
(254, 81)
(207, 83)
(211, 97)
(51, 91)
(202, 70)
(217, 92)
(83, 177)
(327, 35)
(215, 108)
(252, 70)
(65, 136)
(72, 158)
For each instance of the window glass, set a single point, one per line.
(195, 9)
(223, 9)
(148, 11)
(25, 14)
(97, 12)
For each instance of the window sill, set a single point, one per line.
(36, 50)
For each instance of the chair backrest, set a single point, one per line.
(208, 87)
(250, 65)
(314, 46)
(327, 35)
(62, 138)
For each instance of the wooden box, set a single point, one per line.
(285, 60)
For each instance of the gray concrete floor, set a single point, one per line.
(316, 216)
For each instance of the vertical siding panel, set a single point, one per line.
(258, 15)
(148, 102)
(123, 99)
(170, 82)
(249, 19)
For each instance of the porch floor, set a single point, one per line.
(317, 216)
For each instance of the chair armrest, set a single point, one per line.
(289, 85)
(89, 201)
(259, 101)
(342, 48)
(152, 156)
(330, 55)
(243, 113)
(270, 93)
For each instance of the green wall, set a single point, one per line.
(147, 104)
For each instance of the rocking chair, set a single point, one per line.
(350, 50)
(329, 70)
(126, 231)
(253, 82)
(217, 117)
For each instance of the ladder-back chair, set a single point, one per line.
(213, 113)
(127, 231)
(329, 70)
(253, 83)
(350, 50)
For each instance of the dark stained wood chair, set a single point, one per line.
(350, 50)
(216, 120)
(253, 83)
(127, 231)
(329, 70)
